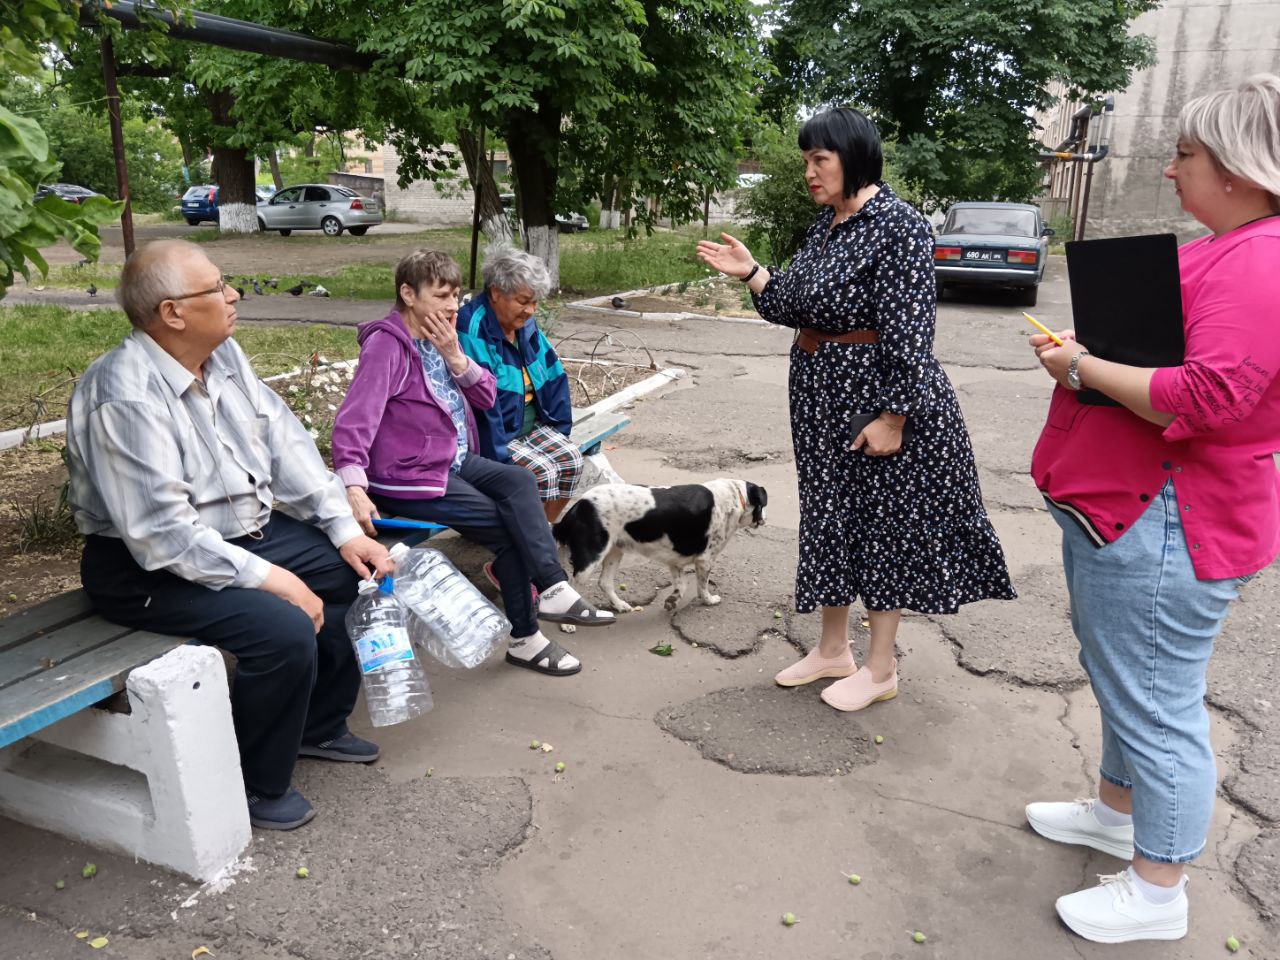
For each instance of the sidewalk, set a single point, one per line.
(699, 801)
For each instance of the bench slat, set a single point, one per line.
(47, 697)
(588, 434)
(63, 609)
(59, 648)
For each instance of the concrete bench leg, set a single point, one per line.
(162, 783)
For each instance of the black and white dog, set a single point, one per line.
(684, 527)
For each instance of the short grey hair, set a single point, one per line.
(1241, 129)
(508, 271)
(153, 274)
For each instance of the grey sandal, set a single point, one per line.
(547, 661)
(581, 614)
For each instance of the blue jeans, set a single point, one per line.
(1146, 627)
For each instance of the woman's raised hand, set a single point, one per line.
(731, 257)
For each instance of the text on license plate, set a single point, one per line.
(983, 255)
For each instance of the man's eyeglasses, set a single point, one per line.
(220, 289)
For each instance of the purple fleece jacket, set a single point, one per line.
(391, 434)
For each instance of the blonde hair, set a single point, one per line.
(154, 273)
(1241, 130)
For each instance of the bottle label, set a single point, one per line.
(381, 647)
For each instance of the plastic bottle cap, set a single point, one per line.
(367, 586)
(388, 585)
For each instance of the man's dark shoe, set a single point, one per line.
(348, 748)
(281, 813)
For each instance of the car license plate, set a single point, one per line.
(983, 255)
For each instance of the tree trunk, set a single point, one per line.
(274, 161)
(233, 173)
(493, 219)
(533, 138)
(309, 150)
(606, 203)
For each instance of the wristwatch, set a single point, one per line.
(1073, 370)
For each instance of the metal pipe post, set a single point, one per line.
(117, 141)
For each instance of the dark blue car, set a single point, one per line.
(200, 203)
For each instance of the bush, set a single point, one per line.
(779, 208)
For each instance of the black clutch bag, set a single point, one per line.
(859, 422)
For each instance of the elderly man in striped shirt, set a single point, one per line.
(208, 512)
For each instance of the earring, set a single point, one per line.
(1228, 186)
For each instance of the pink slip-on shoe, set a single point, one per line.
(492, 578)
(860, 691)
(815, 667)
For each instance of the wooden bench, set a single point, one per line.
(124, 778)
(590, 430)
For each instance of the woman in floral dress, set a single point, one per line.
(890, 509)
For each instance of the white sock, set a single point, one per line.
(529, 649)
(1109, 816)
(558, 598)
(1155, 894)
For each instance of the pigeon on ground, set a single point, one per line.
(240, 290)
(319, 291)
(228, 277)
(257, 287)
(84, 262)
(91, 290)
(618, 303)
(296, 290)
(274, 283)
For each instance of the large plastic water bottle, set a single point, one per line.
(395, 687)
(450, 618)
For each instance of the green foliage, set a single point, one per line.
(44, 525)
(779, 208)
(954, 82)
(25, 228)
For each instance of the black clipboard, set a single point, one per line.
(1126, 302)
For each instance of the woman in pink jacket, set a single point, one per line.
(1167, 504)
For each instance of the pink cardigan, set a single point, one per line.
(1104, 464)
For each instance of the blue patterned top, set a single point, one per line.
(447, 392)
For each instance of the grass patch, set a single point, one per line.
(43, 349)
(598, 262)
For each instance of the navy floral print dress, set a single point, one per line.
(904, 531)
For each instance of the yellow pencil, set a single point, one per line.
(1043, 329)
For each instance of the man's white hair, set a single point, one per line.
(153, 274)
(1241, 129)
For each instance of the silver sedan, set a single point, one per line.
(319, 206)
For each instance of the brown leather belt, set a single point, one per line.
(808, 338)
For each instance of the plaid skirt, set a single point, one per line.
(552, 458)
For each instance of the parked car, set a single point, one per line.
(64, 191)
(200, 202)
(571, 222)
(319, 206)
(565, 222)
(992, 245)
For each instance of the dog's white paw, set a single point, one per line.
(710, 599)
(621, 606)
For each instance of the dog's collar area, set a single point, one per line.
(742, 498)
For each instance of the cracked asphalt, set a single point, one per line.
(699, 801)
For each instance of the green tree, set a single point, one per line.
(779, 209)
(533, 68)
(954, 82)
(26, 27)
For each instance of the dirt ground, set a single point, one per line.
(715, 296)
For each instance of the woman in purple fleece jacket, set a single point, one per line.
(404, 442)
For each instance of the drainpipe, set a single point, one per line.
(1099, 151)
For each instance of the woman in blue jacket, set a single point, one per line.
(531, 420)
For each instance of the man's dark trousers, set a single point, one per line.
(292, 685)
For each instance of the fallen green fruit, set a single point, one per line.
(777, 615)
(560, 767)
(535, 745)
(854, 878)
(59, 884)
(89, 870)
(430, 771)
(302, 873)
(919, 937)
(1233, 944)
(13, 598)
(622, 587)
(879, 739)
(662, 649)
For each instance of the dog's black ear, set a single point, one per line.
(758, 497)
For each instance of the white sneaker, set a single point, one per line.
(1116, 912)
(1075, 823)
